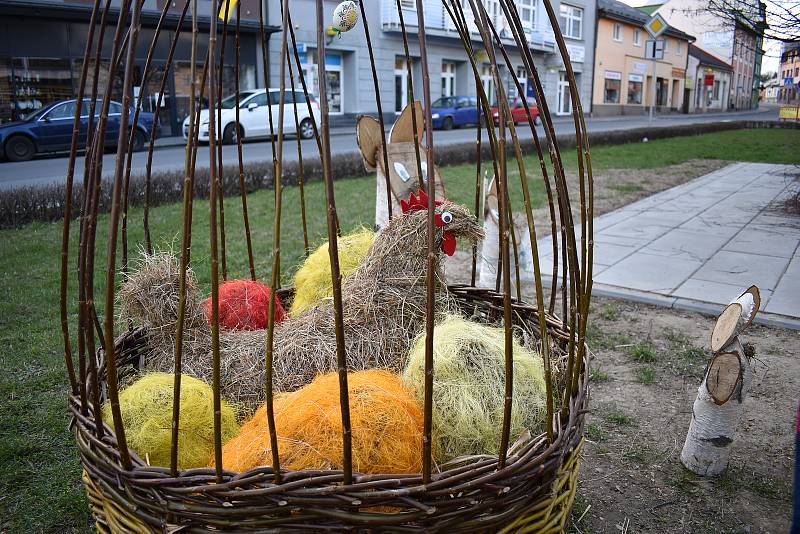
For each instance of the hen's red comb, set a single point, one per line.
(417, 202)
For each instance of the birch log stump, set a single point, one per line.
(720, 398)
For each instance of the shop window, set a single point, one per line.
(38, 82)
(6, 91)
(334, 63)
(612, 87)
(635, 90)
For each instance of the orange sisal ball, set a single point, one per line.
(385, 418)
(244, 305)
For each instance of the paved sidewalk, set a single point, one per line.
(698, 245)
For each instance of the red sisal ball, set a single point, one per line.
(244, 305)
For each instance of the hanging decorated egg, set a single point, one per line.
(345, 17)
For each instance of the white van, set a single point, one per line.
(254, 116)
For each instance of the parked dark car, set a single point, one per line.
(518, 113)
(50, 129)
(450, 111)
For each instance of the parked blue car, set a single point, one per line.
(50, 129)
(450, 111)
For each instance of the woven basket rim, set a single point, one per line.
(533, 463)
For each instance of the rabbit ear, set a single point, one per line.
(368, 136)
(403, 129)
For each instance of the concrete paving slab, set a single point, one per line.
(649, 273)
(764, 241)
(685, 244)
(699, 245)
(716, 292)
(743, 269)
(633, 228)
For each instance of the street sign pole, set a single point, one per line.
(653, 91)
(655, 27)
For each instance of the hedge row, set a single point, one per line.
(46, 203)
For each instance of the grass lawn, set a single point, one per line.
(40, 487)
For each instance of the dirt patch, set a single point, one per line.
(647, 365)
(789, 202)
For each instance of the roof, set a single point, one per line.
(617, 10)
(649, 10)
(707, 59)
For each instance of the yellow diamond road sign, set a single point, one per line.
(656, 26)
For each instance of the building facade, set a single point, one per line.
(735, 41)
(623, 78)
(789, 74)
(36, 70)
(349, 75)
(708, 80)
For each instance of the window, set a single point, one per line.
(37, 82)
(571, 21)
(259, 100)
(666, 42)
(635, 88)
(618, 32)
(527, 12)
(487, 80)
(678, 47)
(62, 111)
(448, 78)
(400, 84)
(716, 90)
(611, 88)
(522, 77)
(115, 108)
(637, 37)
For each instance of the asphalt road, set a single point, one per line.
(52, 169)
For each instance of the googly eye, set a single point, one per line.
(447, 217)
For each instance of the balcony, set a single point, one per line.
(437, 23)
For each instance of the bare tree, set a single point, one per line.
(775, 19)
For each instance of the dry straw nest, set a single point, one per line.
(384, 302)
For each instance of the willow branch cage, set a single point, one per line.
(528, 486)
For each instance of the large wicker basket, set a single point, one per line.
(530, 485)
(532, 493)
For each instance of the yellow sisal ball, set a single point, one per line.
(146, 407)
(469, 387)
(312, 281)
(385, 418)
